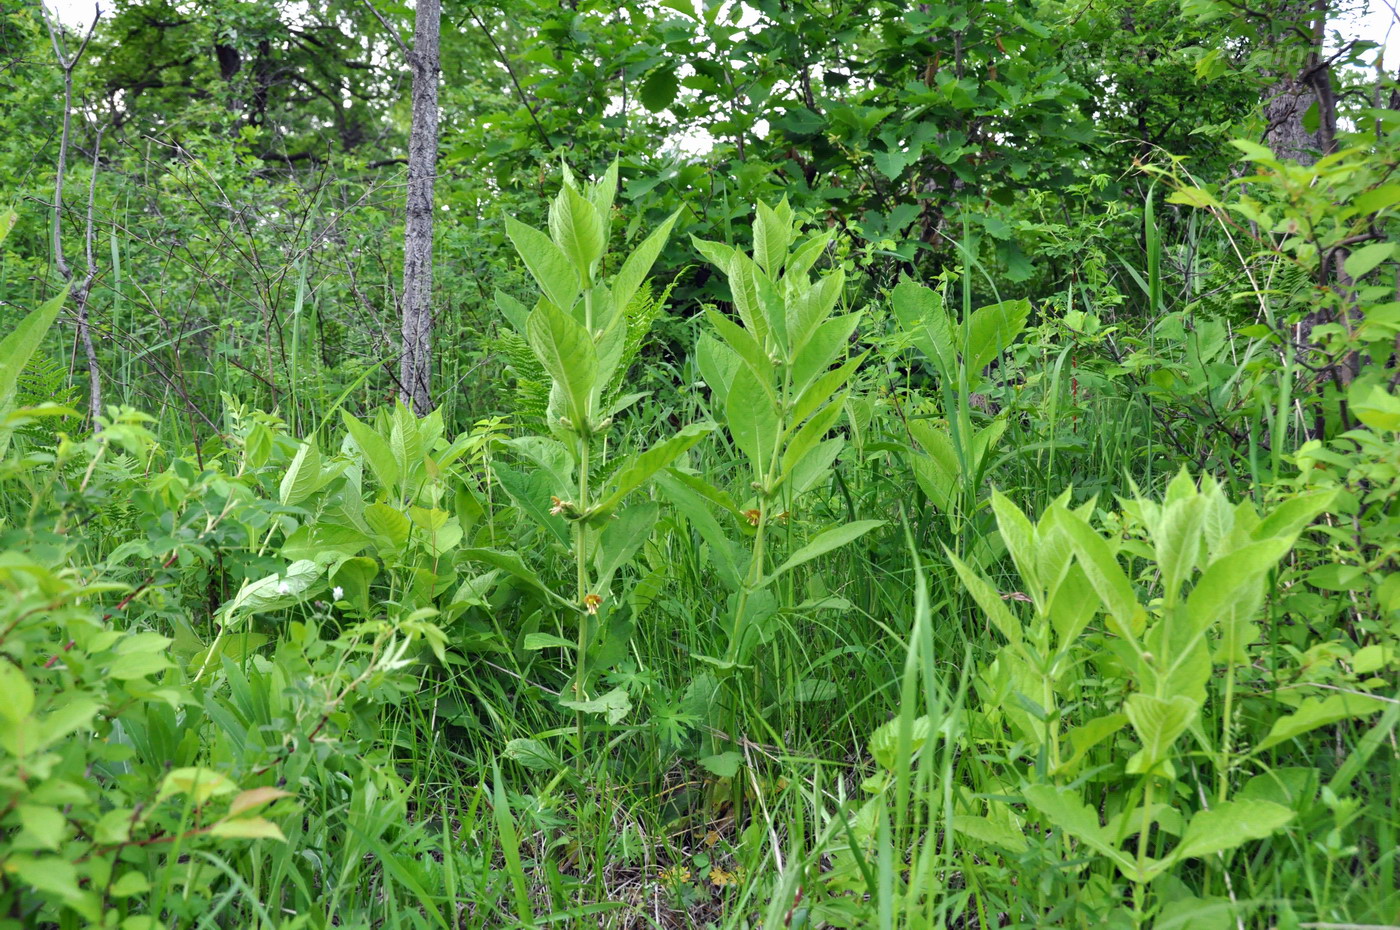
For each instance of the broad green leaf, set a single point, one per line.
(771, 238)
(15, 352)
(1103, 571)
(1067, 811)
(1177, 539)
(1292, 516)
(724, 764)
(1319, 712)
(822, 543)
(988, 599)
(991, 330)
(375, 450)
(200, 783)
(550, 267)
(255, 798)
(16, 693)
(658, 90)
(514, 565)
(44, 827)
(532, 754)
(577, 228)
(565, 350)
(388, 522)
(614, 705)
(303, 475)
(1158, 723)
(531, 491)
(291, 586)
(620, 540)
(1365, 259)
(635, 269)
(1085, 737)
(920, 311)
(636, 472)
(1020, 537)
(695, 509)
(534, 642)
(884, 742)
(1227, 825)
(248, 828)
(989, 831)
(753, 423)
(818, 391)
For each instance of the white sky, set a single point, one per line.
(1379, 23)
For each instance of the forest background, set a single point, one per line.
(795, 463)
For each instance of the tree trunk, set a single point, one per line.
(416, 363)
(1304, 80)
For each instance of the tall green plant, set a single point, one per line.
(778, 375)
(578, 333)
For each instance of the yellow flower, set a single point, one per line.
(674, 876)
(591, 602)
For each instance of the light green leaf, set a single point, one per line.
(724, 764)
(1319, 712)
(989, 831)
(565, 350)
(614, 705)
(1227, 825)
(1158, 723)
(1365, 259)
(534, 642)
(16, 349)
(200, 783)
(550, 267)
(636, 472)
(16, 693)
(991, 330)
(1065, 810)
(1103, 571)
(988, 599)
(577, 228)
(389, 522)
(635, 269)
(532, 754)
(303, 475)
(248, 828)
(375, 450)
(822, 543)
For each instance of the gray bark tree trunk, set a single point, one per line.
(1304, 80)
(416, 362)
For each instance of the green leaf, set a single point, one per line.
(1065, 810)
(512, 564)
(919, 310)
(388, 522)
(550, 267)
(636, 472)
(822, 543)
(1103, 572)
(885, 741)
(638, 265)
(1086, 736)
(620, 540)
(16, 349)
(43, 826)
(1158, 723)
(988, 599)
(989, 831)
(565, 350)
(1365, 259)
(659, 89)
(303, 475)
(614, 705)
(16, 693)
(534, 642)
(991, 330)
(248, 828)
(578, 229)
(1227, 825)
(1320, 712)
(375, 450)
(200, 783)
(1193, 197)
(532, 754)
(724, 764)
(291, 586)
(530, 490)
